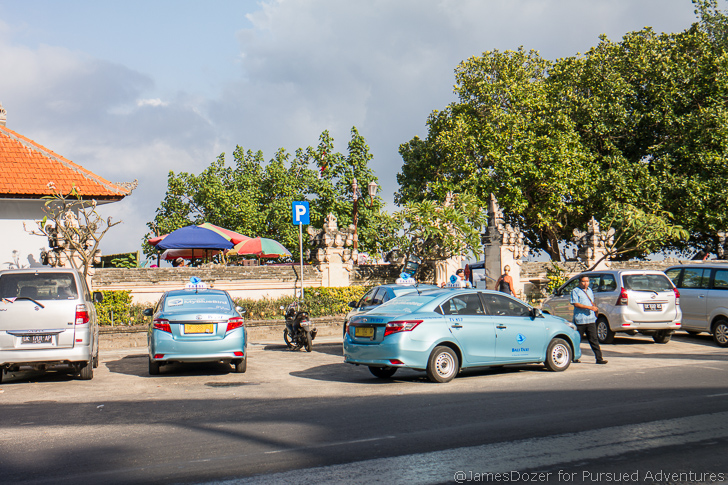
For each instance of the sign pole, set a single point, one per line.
(300, 247)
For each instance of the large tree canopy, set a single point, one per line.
(254, 197)
(639, 123)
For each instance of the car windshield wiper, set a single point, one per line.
(25, 298)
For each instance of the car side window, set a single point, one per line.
(695, 278)
(607, 283)
(674, 275)
(566, 289)
(379, 296)
(468, 304)
(367, 299)
(385, 297)
(503, 306)
(720, 281)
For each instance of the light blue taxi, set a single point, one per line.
(443, 331)
(196, 324)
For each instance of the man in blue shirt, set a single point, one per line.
(585, 315)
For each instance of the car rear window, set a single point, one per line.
(646, 282)
(196, 302)
(38, 286)
(404, 304)
(402, 291)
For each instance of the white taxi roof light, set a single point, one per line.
(405, 279)
(195, 284)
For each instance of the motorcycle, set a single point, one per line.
(298, 332)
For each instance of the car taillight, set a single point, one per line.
(401, 326)
(82, 317)
(235, 322)
(623, 299)
(677, 296)
(162, 324)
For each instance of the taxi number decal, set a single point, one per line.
(454, 319)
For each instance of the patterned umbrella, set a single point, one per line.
(231, 236)
(261, 247)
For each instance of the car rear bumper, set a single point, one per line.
(626, 319)
(79, 353)
(412, 354)
(162, 344)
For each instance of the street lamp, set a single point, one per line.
(372, 189)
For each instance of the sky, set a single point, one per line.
(134, 89)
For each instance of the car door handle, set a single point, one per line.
(501, 326)
(701, 296)
(457, 325)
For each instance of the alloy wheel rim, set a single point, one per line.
(601, 331)
(721, 333)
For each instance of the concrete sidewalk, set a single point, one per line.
(122, 336)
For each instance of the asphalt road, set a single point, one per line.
(654, 414)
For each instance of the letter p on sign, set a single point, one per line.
(300, 213)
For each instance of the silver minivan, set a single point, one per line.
(47, 318)
(704, 298)
(629, 300)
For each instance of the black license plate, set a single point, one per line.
(653, 307)
(37, 339)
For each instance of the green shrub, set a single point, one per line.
(115, 308)
(319, 302)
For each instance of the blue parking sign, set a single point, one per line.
(300, 213)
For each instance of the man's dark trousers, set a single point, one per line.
(591, 334)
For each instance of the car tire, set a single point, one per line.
(2, 373)
(558, 355)
(241, 365)
(287, 338)
(443, 365)
(153, 367)
(720, 333)
(309, 341)
(605, 335)
(662, 336)
(86, 373)
(382, 372)
(95, 360)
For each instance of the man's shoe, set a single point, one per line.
(602, 361)
(576, 361)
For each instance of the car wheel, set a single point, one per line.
(309, 340)
(241, 365)
(2, 373)
(287, 338)
(443, 365)
(558, 355)
(86, 373)
(720, 333)
(95, 360)
(153, 367)
(662, 337)
(382, 372)
(604, 333)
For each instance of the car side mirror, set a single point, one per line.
(536, 313)
(241, 310)
(148, 312)
(352, 304)
(98, 297)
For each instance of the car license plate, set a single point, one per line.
(653, 307)
(199, 328)
(364, 332)
(37, 339)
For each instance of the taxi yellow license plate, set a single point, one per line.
(199, 328)
(364, 332)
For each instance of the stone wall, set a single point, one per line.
(148, 284)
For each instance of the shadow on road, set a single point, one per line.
(137, 365)
(324, 348)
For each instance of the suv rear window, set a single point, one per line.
(38, 286)
(196, 302)
(646, 282)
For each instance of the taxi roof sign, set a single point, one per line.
(195, 283)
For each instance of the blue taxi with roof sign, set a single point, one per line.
(196, 324)
(445, 330)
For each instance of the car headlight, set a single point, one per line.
(571, 324)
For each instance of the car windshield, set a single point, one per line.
(197, 302)
(38, 286)
(646, 282)
(404, 304)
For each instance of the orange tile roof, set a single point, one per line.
(26, 169)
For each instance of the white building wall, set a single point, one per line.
(13, 213)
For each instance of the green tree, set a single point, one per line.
(254, 197)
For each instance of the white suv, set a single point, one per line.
(47, 318)
(704, 296)
(630, 301)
